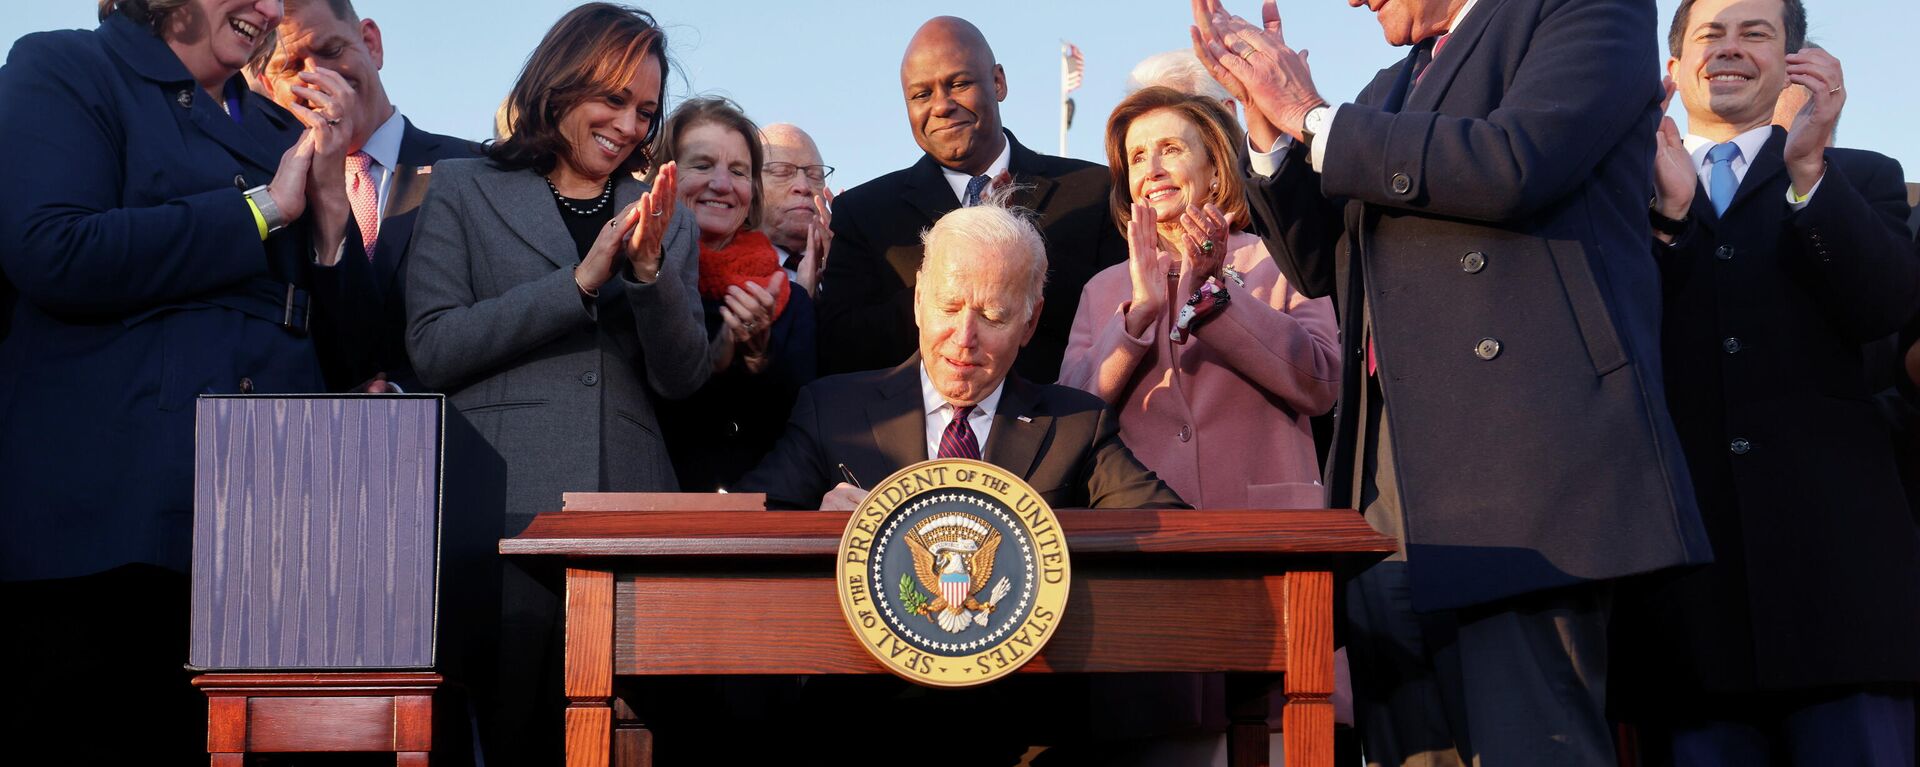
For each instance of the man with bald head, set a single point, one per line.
(952, 87)
(795, 203)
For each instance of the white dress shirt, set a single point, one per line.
(1268, 162)
(940, 413)
(1750, 144)
(959, 180)
(384, 148)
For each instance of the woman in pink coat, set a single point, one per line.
(1213, 393)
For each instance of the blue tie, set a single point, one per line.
(975, 186)
(1721, 183)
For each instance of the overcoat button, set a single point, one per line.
(1401, 184)
(589, 378)
(1473, 262)
(1487, 349)
(1724, 253)
(1732, 345)
(1186, 432)
(240, 182)
(184, 98)
(1739, 446)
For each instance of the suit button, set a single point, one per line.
(1186, 432)
(589, 378)
(1473, 262)
(1739, 446)
(1724, 253)
(733, 428)
(1487, 349)
(1401, 184)
(240, 182)
(184, 98)
(1732, 345)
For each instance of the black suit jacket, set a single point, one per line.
(1062, 441)
(1816, 579)
(866, 297)
(369, 320)
(1495, 228)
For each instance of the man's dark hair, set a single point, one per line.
(1792, 13)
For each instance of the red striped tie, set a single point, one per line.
(958, 440)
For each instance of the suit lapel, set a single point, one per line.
(898, 417)
(1036, 188)
(522, 199)
(1433, 83)
(1762, 170)
(1018, 429)
(927, 190)
(244, 144)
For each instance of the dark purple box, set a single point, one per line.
(322, 536)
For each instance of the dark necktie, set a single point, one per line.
(958, 440)
(975, 186)
(1416, 63)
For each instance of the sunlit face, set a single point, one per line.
(1168, 166)
(716, 179)
(973, 313)
(788, 207)
(1406, 22)
(1733, 62)
(953, 97)
(216, 38)
(311, 37)
(602, 131)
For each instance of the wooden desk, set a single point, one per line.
(1244, 592)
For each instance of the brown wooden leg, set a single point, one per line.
(410, 759)
(1247, 709)
(228, 760)
(1306, 721)
(589, 667)
(632, 741)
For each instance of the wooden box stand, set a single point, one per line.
(318, 712)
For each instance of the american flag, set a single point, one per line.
(1076, 64)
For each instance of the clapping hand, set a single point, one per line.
(1819, 72)
(330, 123)
(1203, 247)
(1256, 65)
(655, 211)
(748, 316)
(813, 260)
(1147, 269)
(1674, 177)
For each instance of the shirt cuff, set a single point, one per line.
(1268, 162)
(1797, 202)
(1318, 156)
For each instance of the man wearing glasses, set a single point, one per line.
(795, 203)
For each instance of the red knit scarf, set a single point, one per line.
(749, 258)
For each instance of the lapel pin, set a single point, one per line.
(423, 169)
(185, 98)
(1023, 419)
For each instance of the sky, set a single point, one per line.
(833, 67)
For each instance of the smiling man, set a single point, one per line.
(952, 88)
(388, 166)
(1800, 644)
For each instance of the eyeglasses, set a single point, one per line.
(783, 171)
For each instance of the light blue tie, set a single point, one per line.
(1721, 183)
(975, 186)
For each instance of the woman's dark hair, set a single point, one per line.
(589, 53)
(1219, 134)
(723, 112)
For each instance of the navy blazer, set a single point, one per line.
(1816, 580)
(1496, 229)
(368, 319)
(142, 283)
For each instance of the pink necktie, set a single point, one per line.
(958, 440)
(364, 198)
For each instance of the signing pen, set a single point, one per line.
(851, 480)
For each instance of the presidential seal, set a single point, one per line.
(953, 573)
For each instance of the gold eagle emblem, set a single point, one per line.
(953, 556)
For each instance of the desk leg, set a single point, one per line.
(632, 741)
(1306, 722)
(1248, 703)
(589, 667)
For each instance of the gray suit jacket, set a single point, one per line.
(565, 392)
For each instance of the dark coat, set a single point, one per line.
(722, 431)
(866, 297)
(1496, 228)
(369, 319)
(1062, 441)
(142, 282)
(1816, 579)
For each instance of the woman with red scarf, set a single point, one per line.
(760, 325)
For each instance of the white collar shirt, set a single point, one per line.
(1750, 144)
(384, 148)
(959, 180)
(940, 413)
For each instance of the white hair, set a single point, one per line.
(1179, 70)
(993, 225)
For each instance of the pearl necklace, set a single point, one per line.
(606, 195)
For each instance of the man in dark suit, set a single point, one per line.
(389, 163)
(953, 91)
(1479, 213)
(976, 302)
(1801, 642)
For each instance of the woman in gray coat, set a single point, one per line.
(553, 297)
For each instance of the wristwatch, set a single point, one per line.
(1671, 227)
(1314, 124)
(269, 209)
